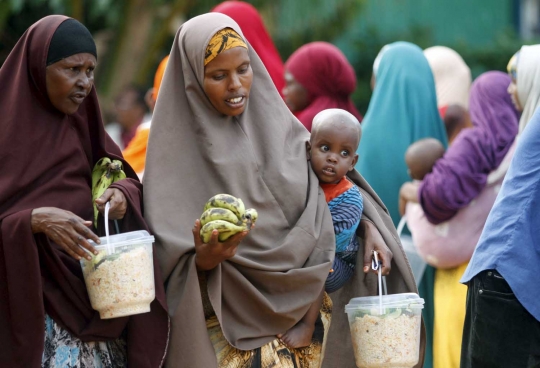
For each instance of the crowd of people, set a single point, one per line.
(452, 157)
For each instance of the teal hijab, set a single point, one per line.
(402, 110)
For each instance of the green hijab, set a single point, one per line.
(402, 110)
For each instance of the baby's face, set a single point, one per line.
(333, 153)
(416, 174)
(417, 168)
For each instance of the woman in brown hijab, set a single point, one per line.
(52, 136)
(220, 126)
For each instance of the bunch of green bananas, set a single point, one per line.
(105, 172)
(226, 214)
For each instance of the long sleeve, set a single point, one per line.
(346, 211)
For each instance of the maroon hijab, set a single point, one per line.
(323, 70)
(46, 158)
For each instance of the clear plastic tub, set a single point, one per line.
(121, 283)
(390, 339)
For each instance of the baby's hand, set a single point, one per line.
(298, 336)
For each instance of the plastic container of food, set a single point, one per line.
(120, 279)
(386, 335)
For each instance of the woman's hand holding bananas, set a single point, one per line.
(222, 226)
(209, 255)
(118, 203)
(105, 173)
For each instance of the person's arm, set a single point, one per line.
(408, 193)
(118, 203)
(373, 240)
(66, 229)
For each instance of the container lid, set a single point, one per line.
(132, 237)
(403, 300)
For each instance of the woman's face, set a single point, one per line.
(296, 96)
(512, 90)
(69, 81)
(227, 81)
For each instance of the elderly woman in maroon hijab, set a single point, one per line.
(221, 127)
(318, 77)
(52, 135)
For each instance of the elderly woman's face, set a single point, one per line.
(227, 81)
(69, 81)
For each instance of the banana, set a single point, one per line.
(229, 202)
(225, 228)
(218, 213)
(105, 173)
(251, 217)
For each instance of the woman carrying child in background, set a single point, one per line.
(455, 200)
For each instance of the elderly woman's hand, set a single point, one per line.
(118, 203)
(373, 240)
(408, 193)
(208, 256)
(66, 229)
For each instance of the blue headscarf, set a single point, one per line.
(402, 110)
(510, 241)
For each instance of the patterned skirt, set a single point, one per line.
(274, 354)
(65, 351)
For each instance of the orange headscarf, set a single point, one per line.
(135, 152)
(159, 76)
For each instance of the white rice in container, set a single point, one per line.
(385, 330)
(121, 284)
(384, 342)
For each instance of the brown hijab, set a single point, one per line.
(46, 158)
(194, 153)
(259, 156)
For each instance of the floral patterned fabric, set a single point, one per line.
(65, 351)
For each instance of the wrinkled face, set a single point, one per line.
(69, 81)
(227, 81)
(332, 152)
(296, 96)
(512, 90)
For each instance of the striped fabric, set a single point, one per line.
(346, 210)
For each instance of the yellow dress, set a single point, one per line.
(450, 302)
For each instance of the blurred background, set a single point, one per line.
(133, 36)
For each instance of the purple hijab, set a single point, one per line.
(462, 173)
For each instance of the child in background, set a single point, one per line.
(420, 158)
(422, 155)
(335, 136)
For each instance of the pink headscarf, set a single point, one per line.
(323, 70)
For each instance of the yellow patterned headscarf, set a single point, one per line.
(223, 40)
